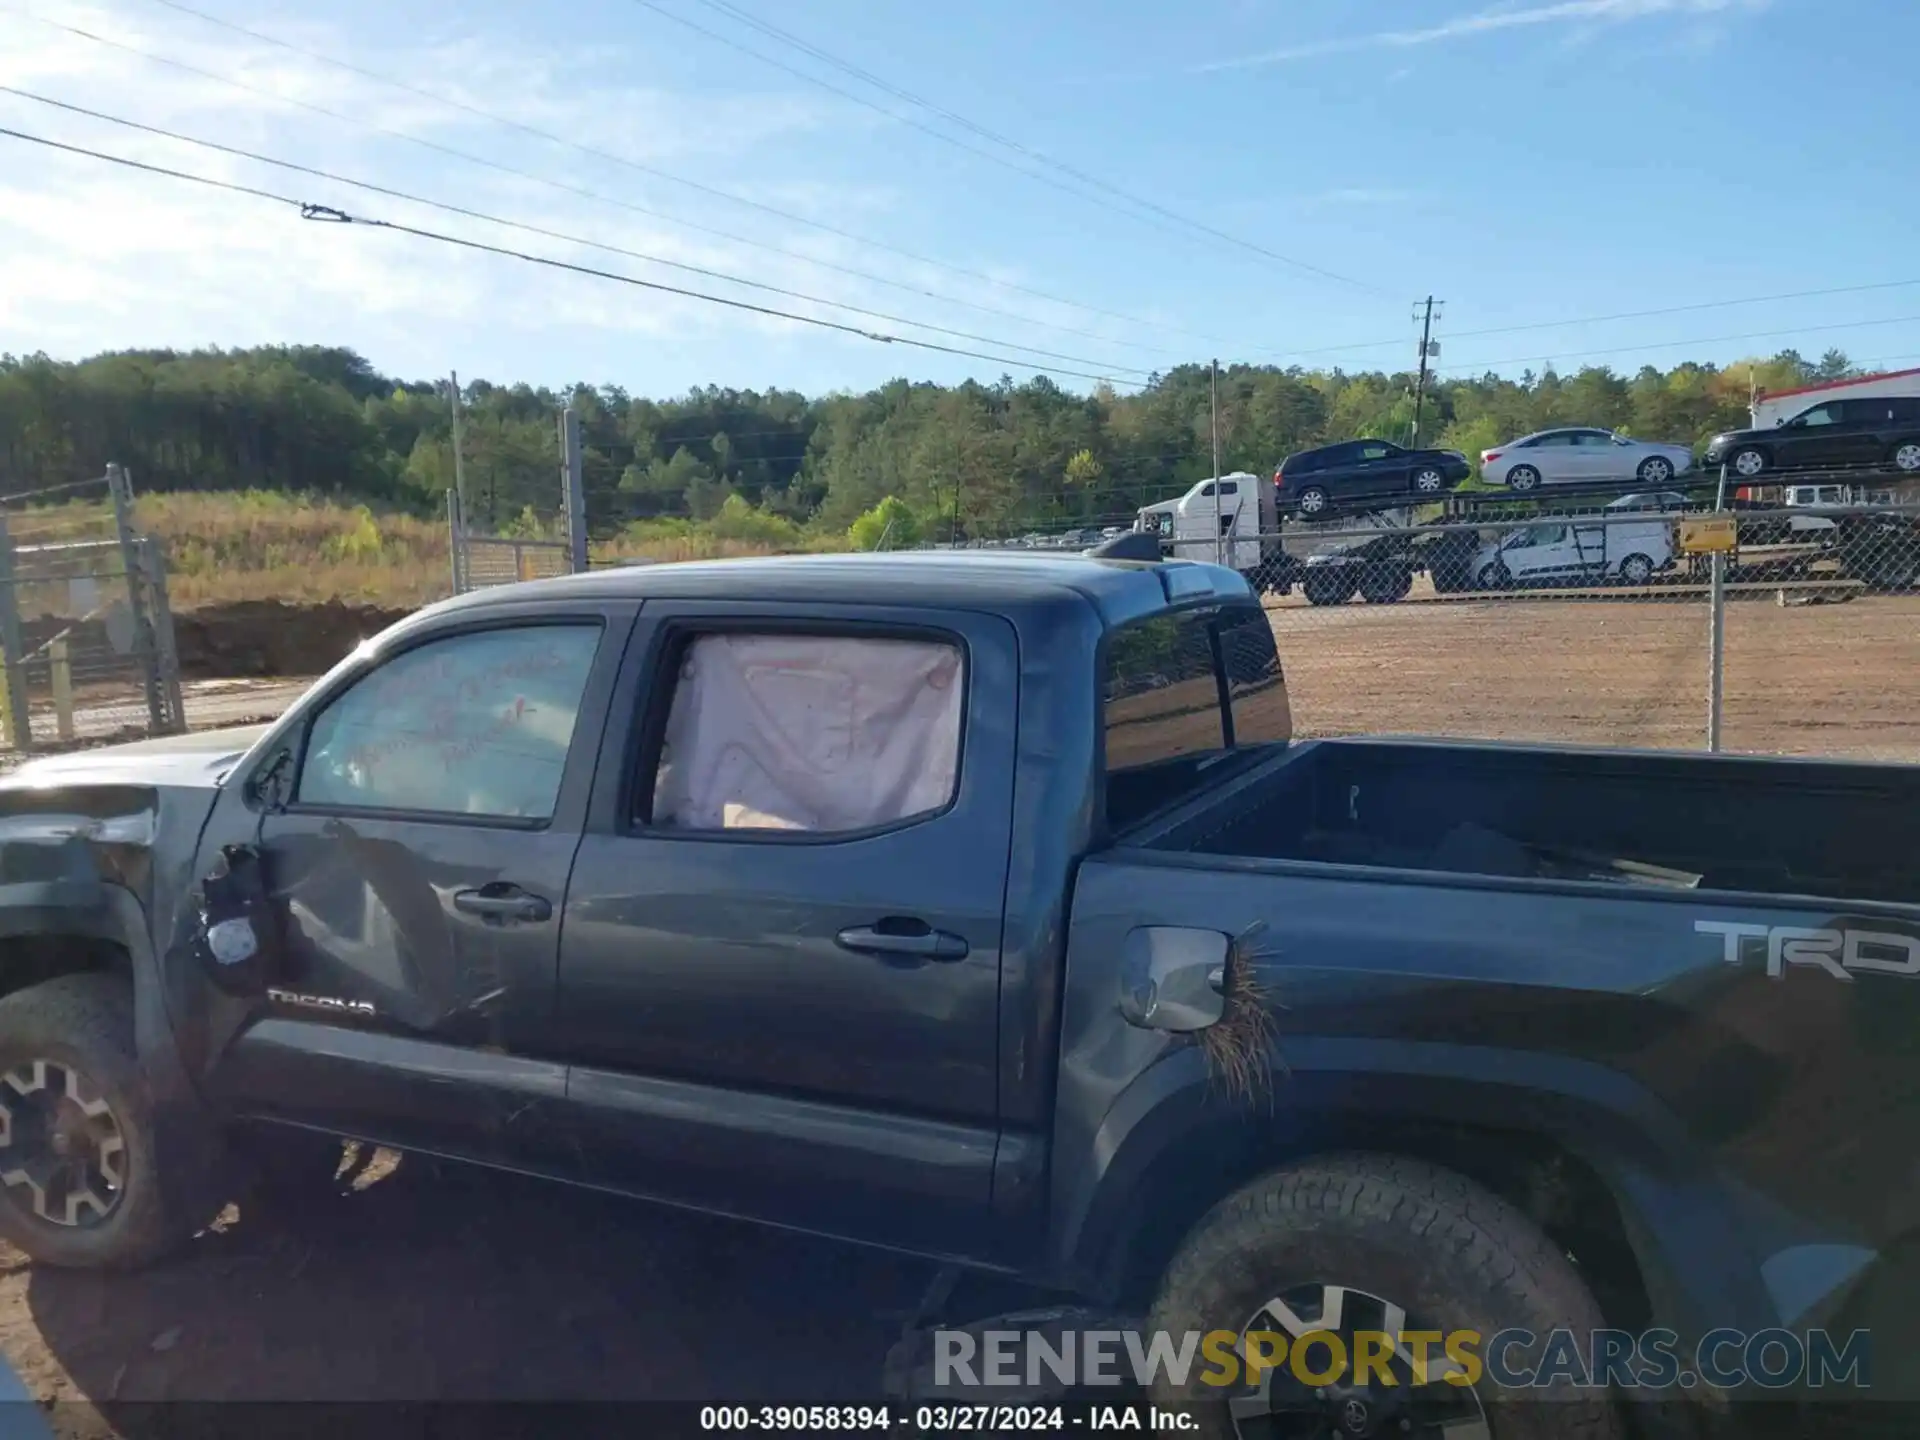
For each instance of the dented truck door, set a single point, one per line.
(418, 864)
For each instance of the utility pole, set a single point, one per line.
(1213, 390)
(1428, 348)
(459, 465)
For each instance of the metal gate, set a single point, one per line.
(86, 634)
(483, 560)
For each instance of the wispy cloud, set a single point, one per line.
(1482, 22)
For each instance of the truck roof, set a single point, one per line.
(1119, 590)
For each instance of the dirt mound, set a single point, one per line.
(266, 637)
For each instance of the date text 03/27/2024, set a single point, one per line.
(941, 1419)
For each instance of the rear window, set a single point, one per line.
(1181, 691)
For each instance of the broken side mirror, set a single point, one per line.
(1173, 978)
(266, 787)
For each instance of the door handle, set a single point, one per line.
(503, 904)
(903, 937)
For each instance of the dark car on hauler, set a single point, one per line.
(984, 907)
(1882, 432)
(1361, 473)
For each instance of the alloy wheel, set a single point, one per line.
(62, 1150)
(1304, 1398)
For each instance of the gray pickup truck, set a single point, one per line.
(983, 907)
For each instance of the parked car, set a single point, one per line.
(1083, 969)
(1582, 455)
(1573, 551)
(1658, 500)
(1313, 482)
(1878, 431)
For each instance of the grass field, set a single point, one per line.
(224, 548)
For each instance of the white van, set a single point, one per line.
(1573, 551)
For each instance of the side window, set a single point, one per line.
(1373, 452)
(819, 733)
(476, 724)
(1820, 415)
(1206, 490)
(1905, 410)
(1229, 487)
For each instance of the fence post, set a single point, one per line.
(153, 560)
(19, 716)
(1716, 626)
(62, 670)
(122, 491)
(574, 474)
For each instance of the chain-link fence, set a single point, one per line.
(1782, 620)
(85, 626)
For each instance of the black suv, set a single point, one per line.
(1314, 482)
(1879, 432)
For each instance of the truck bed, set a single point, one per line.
(1646, 819)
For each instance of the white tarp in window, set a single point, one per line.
(803, 732)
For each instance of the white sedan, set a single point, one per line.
(1575, 456)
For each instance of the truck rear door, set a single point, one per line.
(780, 963)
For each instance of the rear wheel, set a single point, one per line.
(1636, 569)
(1906, 456)
(1332, 585)
(1313, 501)
(1352, 1248)
(1523, 477)
(79, 1158)
(1384, 584)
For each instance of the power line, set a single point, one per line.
(1475, 366)
(1624, 315)
(650, 170)
(327, 213)
(784, 37)
(549, 234)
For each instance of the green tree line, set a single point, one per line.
(970, 459)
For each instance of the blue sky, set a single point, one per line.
(1533, 163)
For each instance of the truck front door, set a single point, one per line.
(780, 971)
(420, 865)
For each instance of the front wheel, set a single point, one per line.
(1655, 470)
(1747, 462)
(1428, 481)
(79, 1153)
(1495, 577)
(1355, 1251)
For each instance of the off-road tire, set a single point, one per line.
(1455, 1255)
(85, 1022)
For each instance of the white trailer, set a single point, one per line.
(1783, 405)
(1231, 519)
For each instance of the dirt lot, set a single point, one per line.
(1829, 679)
